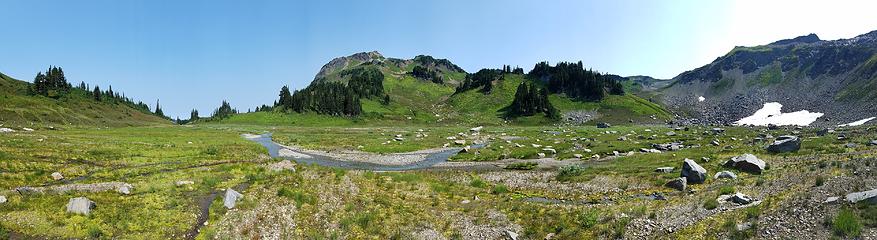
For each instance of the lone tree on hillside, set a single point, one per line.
(158, 111)
(193, 115)
(96, 93)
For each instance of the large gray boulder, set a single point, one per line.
(231, 198)
(603, 125)
(678, 184)
(693, 172)
(784, 144)
(747, 163)
(80, 205)
(2, 199)
(869, 196)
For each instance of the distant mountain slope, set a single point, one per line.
(18, 108)
(838, 78)
(425, 90)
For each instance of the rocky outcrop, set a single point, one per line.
(784, 144)
(693, 172)
(747, 163)
(80, 205)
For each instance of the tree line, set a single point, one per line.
(426, 74)
(53, 84)
(483, 80)
(335, 98)
(573, 80)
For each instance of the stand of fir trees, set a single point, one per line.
(576, 82)
(224, 111)
(483, 80)
(334, 98)
(530, 100)
(426, 74)
(54, 84)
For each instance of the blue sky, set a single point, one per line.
(194, 54)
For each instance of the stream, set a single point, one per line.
(431, 159)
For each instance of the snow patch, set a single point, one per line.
(701, 99)
(857, 123)
(771, 114)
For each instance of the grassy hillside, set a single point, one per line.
(17, 108)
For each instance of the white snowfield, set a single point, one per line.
(771, 114)
(701, 99)
(857, 123)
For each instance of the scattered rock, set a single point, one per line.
(125, 189)
(822, 132)
(831, 200)
(718, 130)
(80, 205)
(551, 150)
(693, 172)
(476, 129)
(466, 149)
(850, 145)
(785, 143)
(57, 176)
(737, 198)
(183, 183)
(6, 130)
(398, 139)
(870, 196)
(28, 129)
(231, 198)
(715, 142)
(726, 174)
(873, 143)
(511, 235)
(678, 184)
(460, 142)
(2, 199)
(671, 133)
(747, 163)
(541, 155)
(579, 156)
(664, 169)
(603, 125)
(280, 166)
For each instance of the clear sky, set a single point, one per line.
(194, 54)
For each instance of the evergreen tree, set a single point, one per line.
(193, 115)
(96, 93)
(158, 111)
(285, 97)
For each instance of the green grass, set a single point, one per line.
(18, 109)
(846, 223)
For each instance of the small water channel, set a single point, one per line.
(430, 160)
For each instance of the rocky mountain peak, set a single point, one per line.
(341, 62)
(809, 38)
